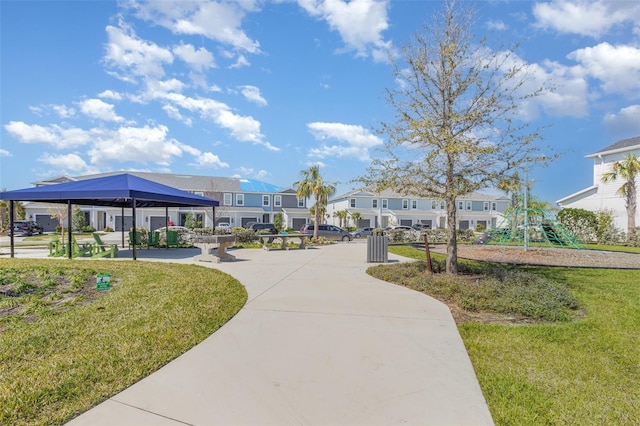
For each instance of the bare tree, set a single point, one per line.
(455, 131)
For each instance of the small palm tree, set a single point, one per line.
(313, 185)
(627, 169)
(356, 216)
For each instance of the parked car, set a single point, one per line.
(223, 225)
(264, 228)
(421, 226)
(26, 227)
(362, 232)
(329, 232)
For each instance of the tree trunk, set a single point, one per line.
(316, 218)
(631, 211)
(452, 245)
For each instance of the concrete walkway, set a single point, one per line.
(319, 342)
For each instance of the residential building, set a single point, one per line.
(603, 196)
(241, 201)
(389, 208)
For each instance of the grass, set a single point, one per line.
(59, 359)
(582, 372)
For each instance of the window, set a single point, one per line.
(228, 200)
(385, 203)
(493, 206)
(352, 203)
(265, 201)
(239, 199)
(405, 204)
(374, 203)
(441, 205)
(277, 200)
(469, 205)
(460, 205)
(414, 204)
(434, 204)
(485, 206)
(300, 202)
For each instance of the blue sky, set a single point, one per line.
(264, 89)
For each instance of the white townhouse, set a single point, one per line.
(241, 201)
(389, 208)
(601, 196)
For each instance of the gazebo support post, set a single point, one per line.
(11, 226)
(122, 225)
(133, 204)
(166, 224)
(69, 239)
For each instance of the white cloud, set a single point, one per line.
(360, 23)
(252, 93)
(72, 162)
(54, 135)
(355, 141)
(586, 17)
(110, 94)
(617, 67)
(174, 113)
(219, 21)
(61, 111)
(198, 59)
(249, 172)
(209, 160)
(241, 62)
(624, 122)
(242, 128)
(139, 144)
(130, 54)
(97, 108)
(4, 153)
(496, 25)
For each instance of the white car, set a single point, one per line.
(223, 225)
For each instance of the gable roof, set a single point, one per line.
(116, 190)
(187, 182)
(623, 145)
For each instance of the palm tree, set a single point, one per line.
(356, 216)
(312, 184)
(342, 216)
(627, 169)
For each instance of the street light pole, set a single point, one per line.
(526, 210)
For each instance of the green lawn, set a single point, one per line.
(61, 354)
(583, 372)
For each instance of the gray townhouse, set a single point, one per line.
(389, 208)
(241, 201)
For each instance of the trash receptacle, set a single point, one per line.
(377, 248)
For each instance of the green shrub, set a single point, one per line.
(500, 290)
(88, 228)
(244, 235)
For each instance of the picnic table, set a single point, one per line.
(268, 238)
(206, 243)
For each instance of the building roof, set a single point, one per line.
(388, 193)
(623, 145)
(192, 183)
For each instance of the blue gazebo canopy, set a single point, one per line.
(117, 190)
(123, 190)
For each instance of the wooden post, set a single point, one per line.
(426, 249)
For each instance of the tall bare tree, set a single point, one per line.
(456, 127)
(628, 170)
(313, 185)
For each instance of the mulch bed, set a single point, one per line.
(547, 256)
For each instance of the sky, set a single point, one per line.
(265, 89)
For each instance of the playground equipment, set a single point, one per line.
(541, 229)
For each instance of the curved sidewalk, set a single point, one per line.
(319, 342)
